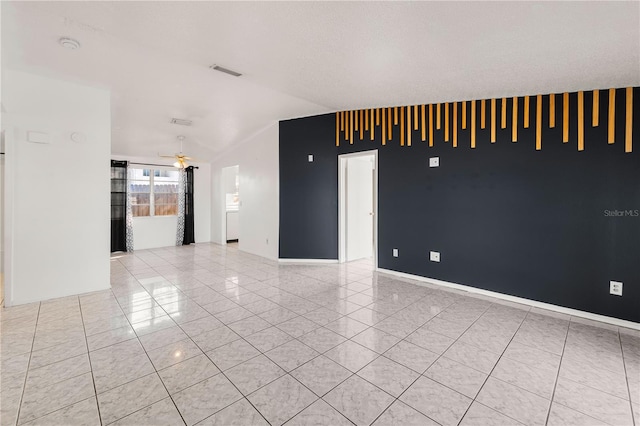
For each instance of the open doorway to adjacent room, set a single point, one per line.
(358, 206)
(231, 204)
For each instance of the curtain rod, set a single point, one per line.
(151, 164)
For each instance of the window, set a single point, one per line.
(154, 192)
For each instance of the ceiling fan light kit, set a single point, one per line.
(181, 159)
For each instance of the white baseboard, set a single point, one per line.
(548, 306)
(308, 261)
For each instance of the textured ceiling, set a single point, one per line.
(304, 58)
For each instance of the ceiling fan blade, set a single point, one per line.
(167, 156)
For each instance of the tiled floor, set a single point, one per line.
(204, 335)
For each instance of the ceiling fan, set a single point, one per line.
(181, 159)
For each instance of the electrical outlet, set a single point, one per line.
(310, 158)
(434, 162)
(615, 287)
(434, 256)
(395, 252)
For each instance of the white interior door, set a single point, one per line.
(360, 207)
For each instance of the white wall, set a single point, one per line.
(57, 233)
(160, 231)
(257, 158)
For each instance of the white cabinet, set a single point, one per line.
(233, 226)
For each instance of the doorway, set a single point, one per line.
(231, 204)
(358, 206)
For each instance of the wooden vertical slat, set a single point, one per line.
(378, 116)
(595, 119)
(395, 116)
(389, 126)
(455, 124)
(503, 107)
(464, 114)
(552, 110)
(565, 117)
(409, 125)
(526, 112)
(346, 125)
(361, 124)
(372, 128)
(415, 117)
(366, 120)
(438, 117)
(430, 124)
(473, 124)
(351, 114)
(483, 113)
(422, 123)
(337, 129)
(384, 127)
(401, 126)
(538, 122)
(514, 120)
(612, 116)
(446, 121)
(581, 121)
(342, 121)
(493, 121)
(355, 113)
(629, 123)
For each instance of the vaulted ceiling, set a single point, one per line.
(305, 58)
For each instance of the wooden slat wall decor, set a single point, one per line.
(422, 123)
(473, 124)
(384, 125)
(338, 129)
(565, 117)
(430, 125)
(552, 110)
(455, 124)
(464, 115)
(446, 121)
(596, 108)
(538, 122)
(612, 116)
(354, 123)
(629, 122)
(514, 121)
(401, 126)
(409, 126)
(493, 121)
(580, 121)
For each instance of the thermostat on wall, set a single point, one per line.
(38, 137)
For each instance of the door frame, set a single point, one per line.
(342, 204)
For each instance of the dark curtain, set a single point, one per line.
(189, 229)
(118, 205)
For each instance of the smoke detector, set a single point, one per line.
(181, 122)
(69, 43)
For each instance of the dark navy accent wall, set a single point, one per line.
(504, 217)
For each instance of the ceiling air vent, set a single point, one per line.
(181, 122)
(225, 70)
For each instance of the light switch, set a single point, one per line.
(434, 162)
(395, 252)
(310, 158)
(38, 137)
